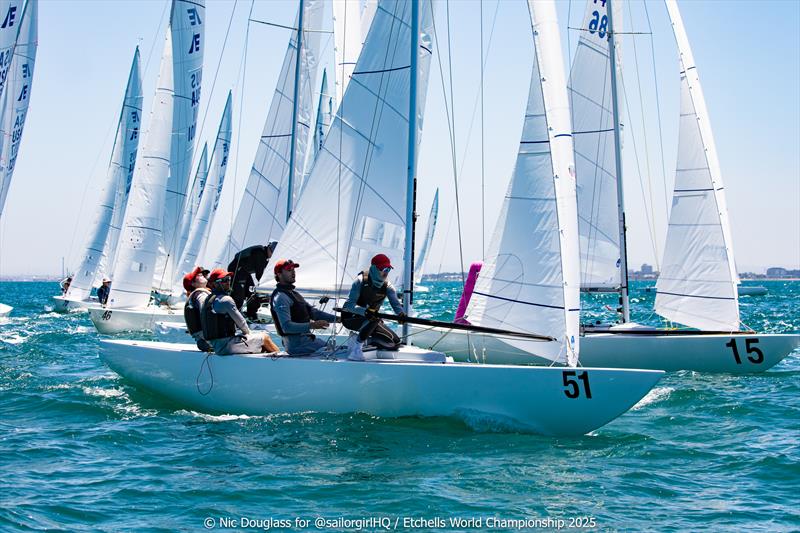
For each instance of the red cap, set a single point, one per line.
(218, 273)
(381, 261)
(189, 278)
(284, 264)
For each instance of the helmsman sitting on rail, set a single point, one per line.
(221, 318)
(294, 318)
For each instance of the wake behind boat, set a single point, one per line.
(409, 382)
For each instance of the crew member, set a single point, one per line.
(248, 266)
(294, 318)
(221, 318)
(104, 290)
(367, 294)
(65, 283)
(195, 283)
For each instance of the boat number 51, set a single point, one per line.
(572, 386)
(758, 356)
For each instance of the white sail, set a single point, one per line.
(321, 125)
(187, 23)
(198, 233)
(141, 229)
(347, 41)
(261, 215)
(419, 267)
(17, 93)
(11, 12)
(193, 201)
(118, 180)
(530, 281)
(697, 284)
(593, 125)
(335, 237)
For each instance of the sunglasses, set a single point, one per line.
(386, 270)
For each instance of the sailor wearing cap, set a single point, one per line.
(368, 292)
(221, 318)
(103, 291)
(195, 283)
(294, 318)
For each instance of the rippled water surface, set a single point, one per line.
(81, 449)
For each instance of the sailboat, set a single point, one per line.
(18, 43)
(102, 240)
(426, 244)
(698, 283)
(409, 381)
(160, 182)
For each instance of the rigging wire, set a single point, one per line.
(651, 213)
(483, 150)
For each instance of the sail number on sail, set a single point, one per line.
(572, 388)
(748, 344)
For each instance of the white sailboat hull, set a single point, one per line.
(658, 351)
(62, 305)
(530, 398)
(752, 290)
(110, 321)
(5, 310)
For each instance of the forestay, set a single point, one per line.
(419, 268)
(530, 282)
(117, 185)
(593, 125)
(187, 24)
(17, 93)
(355, 201)
(261, 215)
(697, 285)
(141, 230)
(198, 233)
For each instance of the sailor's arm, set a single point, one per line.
(352, 299)
(394, 301)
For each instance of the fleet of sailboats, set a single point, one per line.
(337, 187)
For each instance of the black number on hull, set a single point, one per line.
(106, 315)
(572, 387)
(748, 344)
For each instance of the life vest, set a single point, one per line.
(193, 309)
(215, 325)
(300, 311)
(370, 296)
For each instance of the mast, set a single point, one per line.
(411, 183)
(293, 143)
(623, 246)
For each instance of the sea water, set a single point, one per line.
(80, 448)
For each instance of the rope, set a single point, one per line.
(207, 364)
(483, 170)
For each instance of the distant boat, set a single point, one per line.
(752, 290)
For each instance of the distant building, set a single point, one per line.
(777, 272)
(647, 269)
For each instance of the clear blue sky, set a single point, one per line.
(748, 56)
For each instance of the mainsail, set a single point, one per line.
(530, 281)
(141, 230)
(193, 202)
(697, 284)
(10, 11)
(362, 160)
(17, 93)
(593, 124)
(261, 215)
(202, 222)
(188, 43)
(115, 192)
(419, 267)
(351, 22)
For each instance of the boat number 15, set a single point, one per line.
(572, 386)
(757, 357)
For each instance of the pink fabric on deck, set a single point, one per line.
(469, 286)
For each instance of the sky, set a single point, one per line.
(748, 60)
